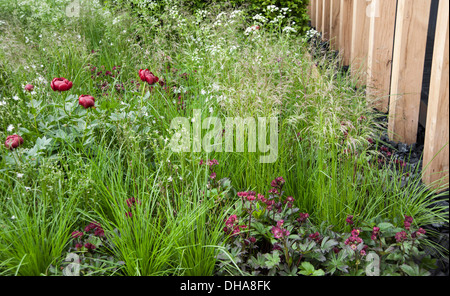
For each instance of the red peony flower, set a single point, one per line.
(61, 84)
(13, 141)
(86, 101)
(29, 87)
(148, 76)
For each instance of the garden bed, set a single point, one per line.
(103, 170)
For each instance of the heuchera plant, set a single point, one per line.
(272, 237)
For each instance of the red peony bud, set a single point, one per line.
(13, 141)
(29, 87)
(148, 76)
(61, 84)
(86, 101)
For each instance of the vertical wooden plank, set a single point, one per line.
(313, 13)
(407, 69)
(326, 19)
(319, 15)
(335, 8)
(360, 41)
(436, 133)
(345, 30)
(379, 57)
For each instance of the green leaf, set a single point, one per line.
(306, 268)
(408, 270)
(328, 243)
(384, 226)
(272, 259)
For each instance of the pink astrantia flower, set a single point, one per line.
(349, 219)
(77, 234)
(315, 237)
(277, 182)
(375, 232)
(303, 217)
(89, 246)
(407, 222)
(400, 236)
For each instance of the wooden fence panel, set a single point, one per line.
(326, 19)
(345, 30)
(319, 15)
(312, 14)
(379, 57)
(407, 69)
(360, 41)
(437, 131)
(335, 9)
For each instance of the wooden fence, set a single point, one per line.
(384, 43)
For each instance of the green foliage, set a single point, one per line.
(80, 165)
(285, 242)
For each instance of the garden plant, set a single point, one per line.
(90, 92)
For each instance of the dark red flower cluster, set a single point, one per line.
(232, 226)
(279, 232)
(315, 237)
(407, 222)
(375, 232)
(418, 233)
(349, 220)
(96, 228)
(289, 201)
(277, 183)
(354, 240)
(131, 203)
(249, 195)
(303, 217)
(211, 163)
(93, 228)
(401, 236)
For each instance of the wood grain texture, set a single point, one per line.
(407, 69)
(437, 126)
(335, 9)
(319, 4)
(379, 57)
(345, 30)
(360, 41)
(326, 19)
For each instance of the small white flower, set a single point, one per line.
(13, 217)
(203, 92)
(211, 110)
(19, 175)
(2, 103)
(169, 179)
(27, 188)
(10, 128)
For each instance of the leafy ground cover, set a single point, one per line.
(88, 176)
